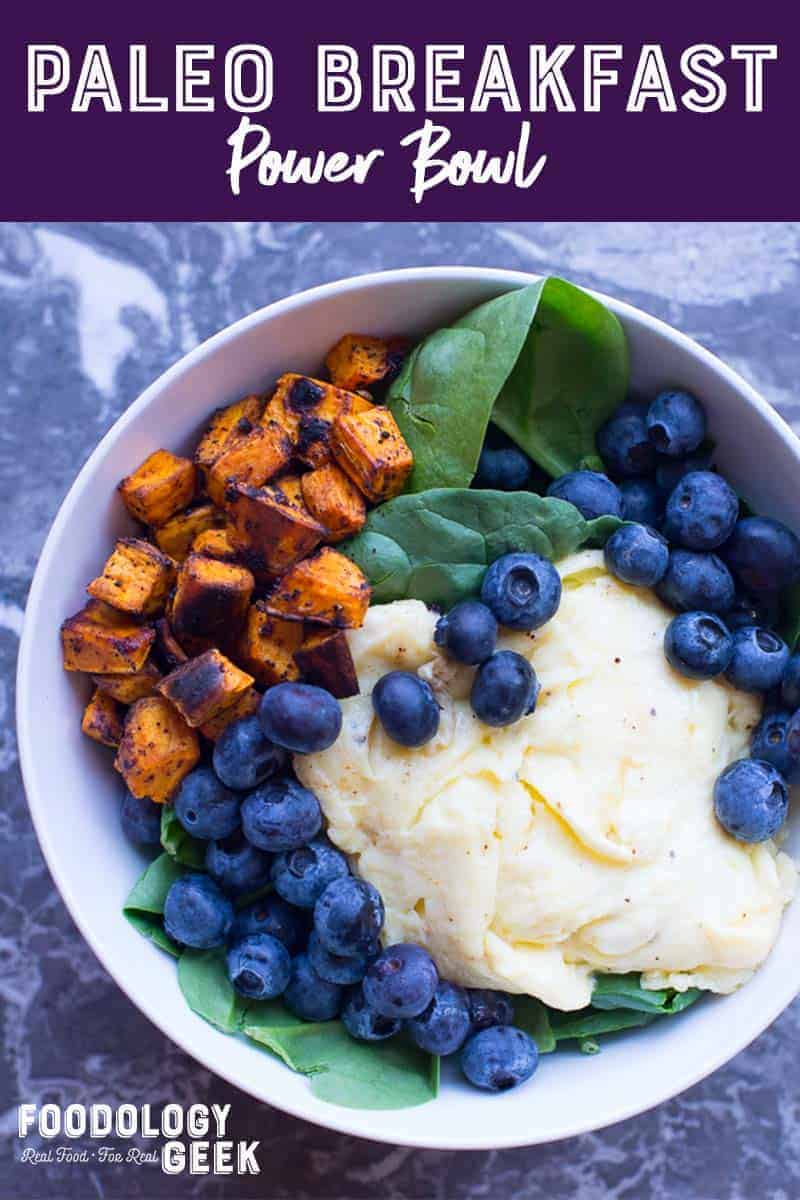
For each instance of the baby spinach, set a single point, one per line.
(144, 906)
(435, 546)
(179, 844)
(547, 362)
(626, 991)
(203, 979)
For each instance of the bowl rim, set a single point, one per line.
(354, 1122)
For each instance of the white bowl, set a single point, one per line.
(74, 794)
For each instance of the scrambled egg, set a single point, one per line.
(581, 839)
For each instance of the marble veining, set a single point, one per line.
(90, 314)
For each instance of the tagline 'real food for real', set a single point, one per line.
(581, 839)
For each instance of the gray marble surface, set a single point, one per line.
(90, 314)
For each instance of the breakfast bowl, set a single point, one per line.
(73, 792)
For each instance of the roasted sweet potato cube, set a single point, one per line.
(325, 660)
(253, 459)
(136, 579)
(216, 543)
(306, 409)
(210, 600)
(102, 719)
(290, 489)
(372, 450)
(100, 638)
(160, 487)
(334, 500)
(273, 531)
(167, 650)
(327, 588)
(129, 688)
(245, 706)
(176, 536)
(157, 749)
(359, 361)
(267, 647)
(205, 685)
(235, 421)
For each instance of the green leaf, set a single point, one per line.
(152, 928)
(790, 624)
(546, 362)
(435, 546)
(144, 906)
(179, 844)
(208, 991)
(533, 1016)
(383, 1075)
(626, 992)
(590, 1022)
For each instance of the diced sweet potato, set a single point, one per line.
(160, 487)
(210, 600)
(175, 537)
(157, 749)
(136, 579)
(359, 361)
(327, 588)
(306, 409)
(290, 489)
(372, 450)
(245, 706)
(334, 501)
(204, 686)
(235, 421)
(325, 660)
(102, 719)
(129, 688)
(216, 543)
(253, 459)
(99, 638)
(267, 647)
(274, 532)
(167, 649)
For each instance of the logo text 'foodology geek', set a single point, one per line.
(194, 1136)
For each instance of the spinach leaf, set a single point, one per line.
(179, 844)
(203, 979)
(435, 546)
(626, 992)
(591, 1022)
(790, 623)
(353, 1074)
(546, 362)
(144, 906)
(534, 1017)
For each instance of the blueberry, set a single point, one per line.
(637, 554)
(348, 917)
(505, 688)
(300, 717)
(237, 867)
(701, 512)
(763, 554)
(522, 590)
(770, 743)
(406, 708)
(790, 684)
(670, 471)
(468, 633)
(623, 443)
(281, 815)
(676, 423)
(401, 982)
(487, 1007)
(271, 914)
(141, 819)
(758, 660)
(308, 996)
(336, 968)
(197, 913)
(364, 1023)
(205, 807)
(593, 494)
(507, 469)
(499, 1058)
(259, 966)
(302, 875)
(444, 1025)
(642, 501)
(746, 610)
(698, 645)
(751, 800)
(244, 757)
(696, 581)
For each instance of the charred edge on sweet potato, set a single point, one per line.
(326, 588)
(272, 531)
(98, 638)
(370, 448)
(204, 686)
(167, 650)
(360, 361)
(159, 487)
(267, 647)
(210, 600)
(233, 421)
(157, 749)
(325, 660)
(252, 459)
(306, 410)
(136, 578)
(102, 719)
